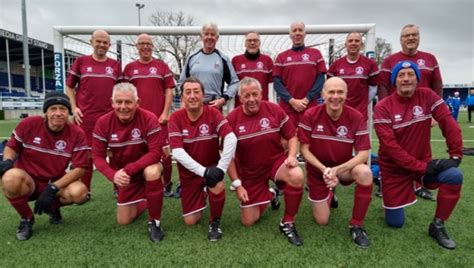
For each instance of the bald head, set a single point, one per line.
(334, 82)
(334, 95)
(297, 33)
(100, 42)
(145, 48)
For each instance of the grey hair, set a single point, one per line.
(411, 25)
(210, 26)
(248, 81)
(125, 87)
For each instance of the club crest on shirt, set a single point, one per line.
(420, 62)
(359, 70)
(136, 134)
(204, 129)
(109, 70)
(60, 145)
(260, 65)
(264, 123)
(305, 57)
(341, 131)
(242, 129)
(37, 140)
(417, 111)
(320, 128)
(153, 70)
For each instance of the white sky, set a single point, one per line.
(446, 26)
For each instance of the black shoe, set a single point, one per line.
(300, 159)
(275, 202)
(215, 232)
(359, 235)
(169, 190)
(289, 230)
(425, 194)
(115, 193)
(25, 229)
(438, 232)
(177, 193)
(155, 231)
(55, 217)
(334, 200)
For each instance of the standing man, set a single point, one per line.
(154, 82)
(456, 102)
(212, 68)
(430, 74)
(359, 72)
(132, 139)
(260, 157)
(403, 124)
(89, 87)
(194, 133)
(298, 75)
(35, 160)
(254, 64)
(470, 104)
(329, 134)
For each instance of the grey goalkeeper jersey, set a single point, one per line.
(213, 70)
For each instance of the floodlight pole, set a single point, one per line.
(139, 7)
(26, 55)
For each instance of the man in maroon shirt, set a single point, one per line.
(154, 82)
(298, 75)
(359, 72)
(35, 160)
(329, 134)
(132, 139)
(260, 126)
(89, 87)
(194, 133)
(403, 124)
(430, 75)
(254, 64)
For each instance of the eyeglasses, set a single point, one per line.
(252, 40)
(142, 44)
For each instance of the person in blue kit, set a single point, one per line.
(456, 104)
(470, 104)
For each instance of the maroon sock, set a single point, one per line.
(154, 198)
(141, 206)
(87, 178)
(216, 203)
(21, 206)
(448, 196)
(362, 198)
(167, 169)
(293, 198)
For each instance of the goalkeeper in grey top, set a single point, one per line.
(212, 68)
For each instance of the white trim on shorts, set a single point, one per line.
(275, 178)
(402, 206)
(131, 202)
(256, 204)
(195, 211)
(319, 201)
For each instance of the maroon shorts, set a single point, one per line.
(318, 191)
(257, 188)
(193, 194)
(39, 188)
(132, 193)
(397, 189)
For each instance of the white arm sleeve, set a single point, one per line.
(372, 92)
(230, 143)
(188, 162)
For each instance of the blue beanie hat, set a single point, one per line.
(403, 65)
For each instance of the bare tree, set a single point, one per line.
(382, 50)
(178, 46)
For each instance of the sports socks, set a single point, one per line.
(20, 204)
(216, 203)
(448, 196)
(362, 198)
(154, 197)
(293, 198)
